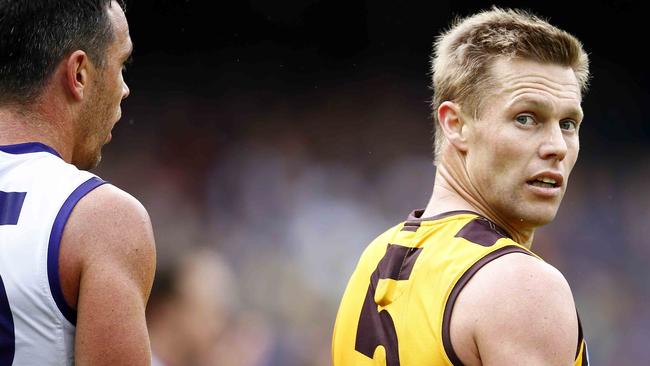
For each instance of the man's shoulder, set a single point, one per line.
(515, 297)
(109, 220)
(110, 200)
(515, 282)
(515, 275)
(110, 208)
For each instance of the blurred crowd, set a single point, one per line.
(262, 205)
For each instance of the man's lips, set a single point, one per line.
(546, 184)
(548, 179)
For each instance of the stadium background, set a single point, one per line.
(286, 135)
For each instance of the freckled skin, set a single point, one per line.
(107, 257)
(102, 111)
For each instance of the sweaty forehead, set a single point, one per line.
(516, 77)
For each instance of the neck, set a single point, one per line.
(25, 124)
(453, 191)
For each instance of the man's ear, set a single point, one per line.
(453, 125)
(77, 67)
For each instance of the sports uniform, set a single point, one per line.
(397, 306)
(38, 191)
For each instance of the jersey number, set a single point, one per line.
(11, 203)
(376, 328)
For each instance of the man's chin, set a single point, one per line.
(109, 137)
(538, 218)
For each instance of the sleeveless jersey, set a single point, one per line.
(38, 191)
(397, 306)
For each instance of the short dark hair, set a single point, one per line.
(35, 35)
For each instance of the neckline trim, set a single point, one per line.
(415, 219)
(27, 148)
(416, 215)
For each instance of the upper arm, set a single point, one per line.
(112, 237)
(517, 310)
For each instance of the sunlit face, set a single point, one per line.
(108, 89)
(525, 143)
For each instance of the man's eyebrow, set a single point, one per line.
(541, 103)
(129, 56)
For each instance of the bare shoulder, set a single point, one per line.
(109, 239)
(108, 229)
(106, 216)
(516, 309)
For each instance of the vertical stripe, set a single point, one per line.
(458, 287)
(376, 328)
(580, 336)
(55, 242)
(7, 335)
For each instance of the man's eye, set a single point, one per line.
(525, 119)
(568, 124)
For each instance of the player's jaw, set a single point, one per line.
(540, 198)
(109, 136)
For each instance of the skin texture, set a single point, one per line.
(517, 310)
(529, 321)
(107, 258)
(107, 252)
(77, 109)
(97, 117)
(529, 126)
(107, 262)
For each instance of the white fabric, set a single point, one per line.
(43, 336)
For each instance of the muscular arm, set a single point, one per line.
(517, 310)
(107, 264)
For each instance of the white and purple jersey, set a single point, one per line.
(38, 191)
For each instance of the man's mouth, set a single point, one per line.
(544, 182)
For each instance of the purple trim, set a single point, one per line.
(28, 147)
(55, 242)
(7, 332)
(449, 306)
(11, 203)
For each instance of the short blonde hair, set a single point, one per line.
(464, 54)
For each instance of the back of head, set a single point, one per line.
(35, 36)
(191, 300)
(464, 54)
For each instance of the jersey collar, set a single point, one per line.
(28, 147)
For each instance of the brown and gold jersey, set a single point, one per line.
(397, 306)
